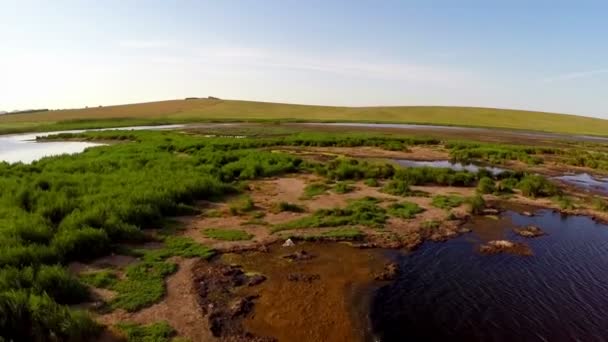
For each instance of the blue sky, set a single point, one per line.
(540, 55)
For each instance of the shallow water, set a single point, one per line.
(24, 147)
(448, 291)
(586, 182)
(448, 164)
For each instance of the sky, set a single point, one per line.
(523, 54)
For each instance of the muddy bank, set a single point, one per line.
(324, 296)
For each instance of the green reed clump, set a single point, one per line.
(365, 212)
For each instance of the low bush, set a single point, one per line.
(537, 186)
(486, 185)
(476, 204)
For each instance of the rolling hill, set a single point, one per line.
(200, 110)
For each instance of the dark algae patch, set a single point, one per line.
(310, 295)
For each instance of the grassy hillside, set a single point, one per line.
(178, 111)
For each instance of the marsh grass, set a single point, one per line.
(447, 201)
(156, 332)
(315, 189)
(365, 212)
(405, 210)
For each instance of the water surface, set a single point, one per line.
(586, 182)
(448, 164)
(448, 291)
(24, 147)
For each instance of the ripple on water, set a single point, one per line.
(449, 291)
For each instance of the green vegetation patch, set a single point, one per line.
(373, 182)
(486, 185)
(401, 188)
(476, 204)
(144, 282)
(144, 285)
(242, 205)
(156, 332)
(405, 210)
(315, 189)
(227, 234)
(537, 186)
(343, 187)
(365, 212)
(447, 201)
(564, 202)
(104, 279)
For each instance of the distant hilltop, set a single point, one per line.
(215, 109)
(24, 111)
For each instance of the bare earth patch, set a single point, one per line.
(179, 307)
(413, 152)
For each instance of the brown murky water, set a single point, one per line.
(332, 305)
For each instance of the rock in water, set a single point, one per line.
(529, 231)
(390, 272)
(288, 243)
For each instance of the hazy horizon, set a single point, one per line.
(542, 56)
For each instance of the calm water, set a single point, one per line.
(448, 164)
(448, 291)
(586, 182)
(24, 147)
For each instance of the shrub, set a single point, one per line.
(600, 204)
(537, 186)
(486, 186)
(25, 316)
(564, 202)
(84, 243)
(476, 204)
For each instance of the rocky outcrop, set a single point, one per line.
(505, 246)
(529, 231)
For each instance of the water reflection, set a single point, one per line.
(448, 164)
(24, 147)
